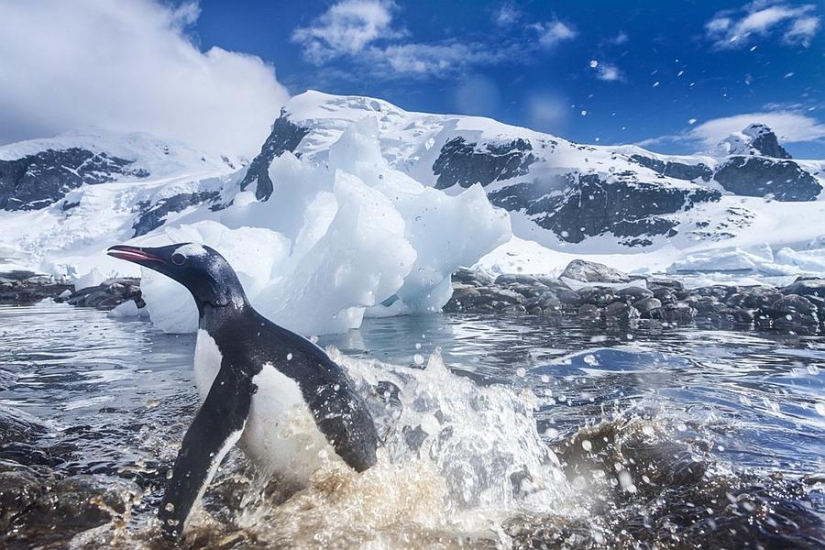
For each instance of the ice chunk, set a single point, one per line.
(335, 242)
(92, 278)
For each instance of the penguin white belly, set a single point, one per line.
(280, 435)
(208, 360)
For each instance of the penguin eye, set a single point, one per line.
(178, 258)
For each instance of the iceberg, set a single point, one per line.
(336, 242)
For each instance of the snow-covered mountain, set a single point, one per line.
(63, 200)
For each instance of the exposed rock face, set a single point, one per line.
(285, 136)
(154, 215)
(764, 142)
(593, 205)
(36, 181)
(759, 177)
(678, 170)
(465, 163)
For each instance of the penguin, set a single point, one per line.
(277, 395)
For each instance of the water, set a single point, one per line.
(499, 432)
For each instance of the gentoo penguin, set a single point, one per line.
(277, 395)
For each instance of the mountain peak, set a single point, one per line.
(757, 139)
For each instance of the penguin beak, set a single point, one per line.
(141, 256)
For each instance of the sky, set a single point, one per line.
(675, 77)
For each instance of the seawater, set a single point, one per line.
(498, 433)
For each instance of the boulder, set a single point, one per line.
(592, 272)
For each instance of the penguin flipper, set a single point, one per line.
(217, 426)
(343, 418)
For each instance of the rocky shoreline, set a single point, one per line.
(604, 295)
(585, 292)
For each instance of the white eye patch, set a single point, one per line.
(191, 250)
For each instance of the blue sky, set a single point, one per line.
(660, 73)
(675, 76)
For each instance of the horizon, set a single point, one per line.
(674, 79)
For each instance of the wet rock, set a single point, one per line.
(589, 313)
(754, 297)
(592, 272)
(664, 294)
(633, 294)
(597, 296)
(570, 298)
(106, 295)
(678, 314)
(620, 313)
(806, 287)
(793, 303)
(29, 290)
(648, 308)
(17, 426)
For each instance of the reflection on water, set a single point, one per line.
(635, 417)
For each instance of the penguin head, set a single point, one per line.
(201, 269)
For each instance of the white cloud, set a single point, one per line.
(619, 39)
(795, 25)
(128, 66)
(346, 28)
(433, 59)
(554, 32)
(789, 127)
(606, 71)
(506, 15)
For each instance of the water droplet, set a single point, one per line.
(521, 372)
(587, 446)
(289, 357)
(152, 403)
(418, 359)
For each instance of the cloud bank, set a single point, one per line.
(128, 66)
(758, 20)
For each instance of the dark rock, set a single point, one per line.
(285, 136)
(678, 314)
(17, 426)
(466, 163)
(794, 313)
(806, 287)
(154, 215)
(647, 307)
(107, 295)
(633, 294)
(624, 207)
(784, 180)
(673, 284)
(470, 277)
(664, 294)
(569, 298)
(30, 291)
(589, 313)
(592, 272)
(598, 296)
(620, 312)
(509, 279)
(764, 142)
(675, 170)
(36, 181)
